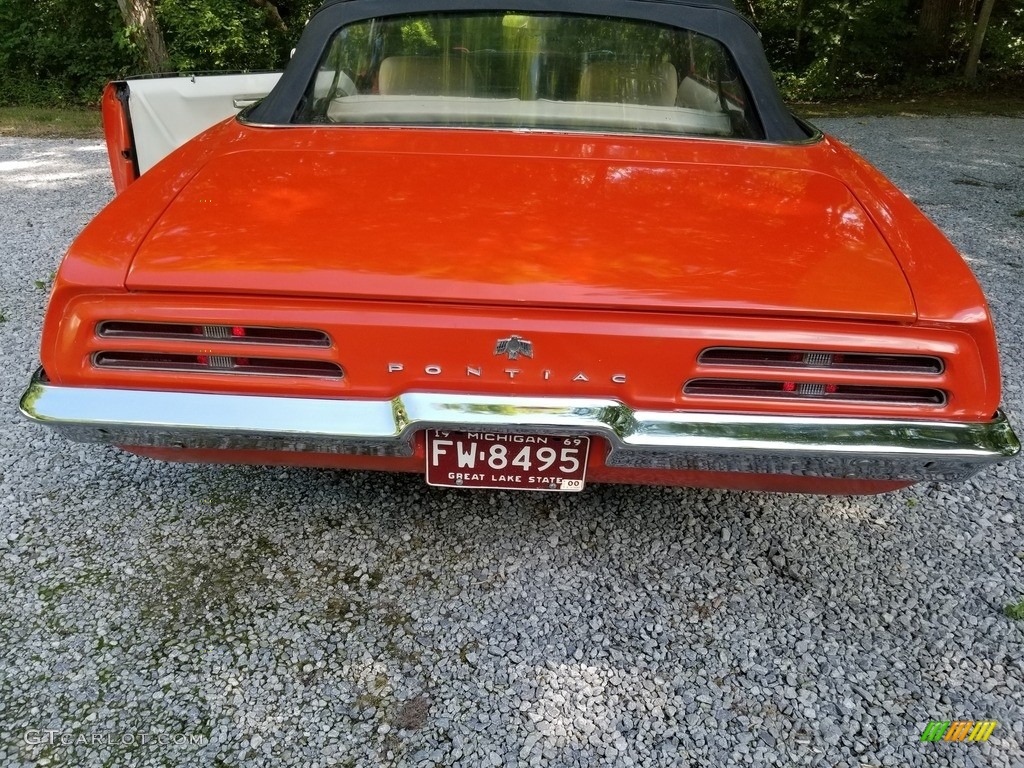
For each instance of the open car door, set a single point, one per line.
(146, 119)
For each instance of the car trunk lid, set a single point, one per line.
(571, 231)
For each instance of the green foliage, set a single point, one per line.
(61, 52)
(825, 49)
(1015, 610)
(828, 49)
(857, 45)
(58, 52)
(225, 35)
(216, 35)
(1004, 43)
(418, 37)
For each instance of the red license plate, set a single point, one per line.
(513, 462)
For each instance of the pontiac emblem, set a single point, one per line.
(514, 346)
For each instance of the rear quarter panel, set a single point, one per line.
(946, 292)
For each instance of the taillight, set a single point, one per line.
(893, 395)
(265, 366)
(837, 361)
(291, 337)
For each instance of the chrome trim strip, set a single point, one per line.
(811, 446)
(241, 102)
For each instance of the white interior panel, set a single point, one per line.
(168, 111)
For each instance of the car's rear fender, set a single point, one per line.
(946, 292)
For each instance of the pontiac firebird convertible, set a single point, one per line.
(522, 245)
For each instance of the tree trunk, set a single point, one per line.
(140, 18)
(971, 70)
(799, 25)
(935, 25)
(272, 13)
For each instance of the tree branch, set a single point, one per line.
(272, 12)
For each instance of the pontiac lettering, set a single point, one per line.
(477, 371)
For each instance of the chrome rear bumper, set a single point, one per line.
(882, 449)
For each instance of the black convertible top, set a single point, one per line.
(717, 19)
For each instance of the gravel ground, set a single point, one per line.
(165, 615)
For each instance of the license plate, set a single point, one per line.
(511, 462)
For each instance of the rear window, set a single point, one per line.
(529, 71)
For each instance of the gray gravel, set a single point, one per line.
(164, 615)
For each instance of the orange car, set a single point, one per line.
(516, 246)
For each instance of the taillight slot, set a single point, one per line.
(236, 334)
(873, 362)
(217, 364)
(805, 390)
